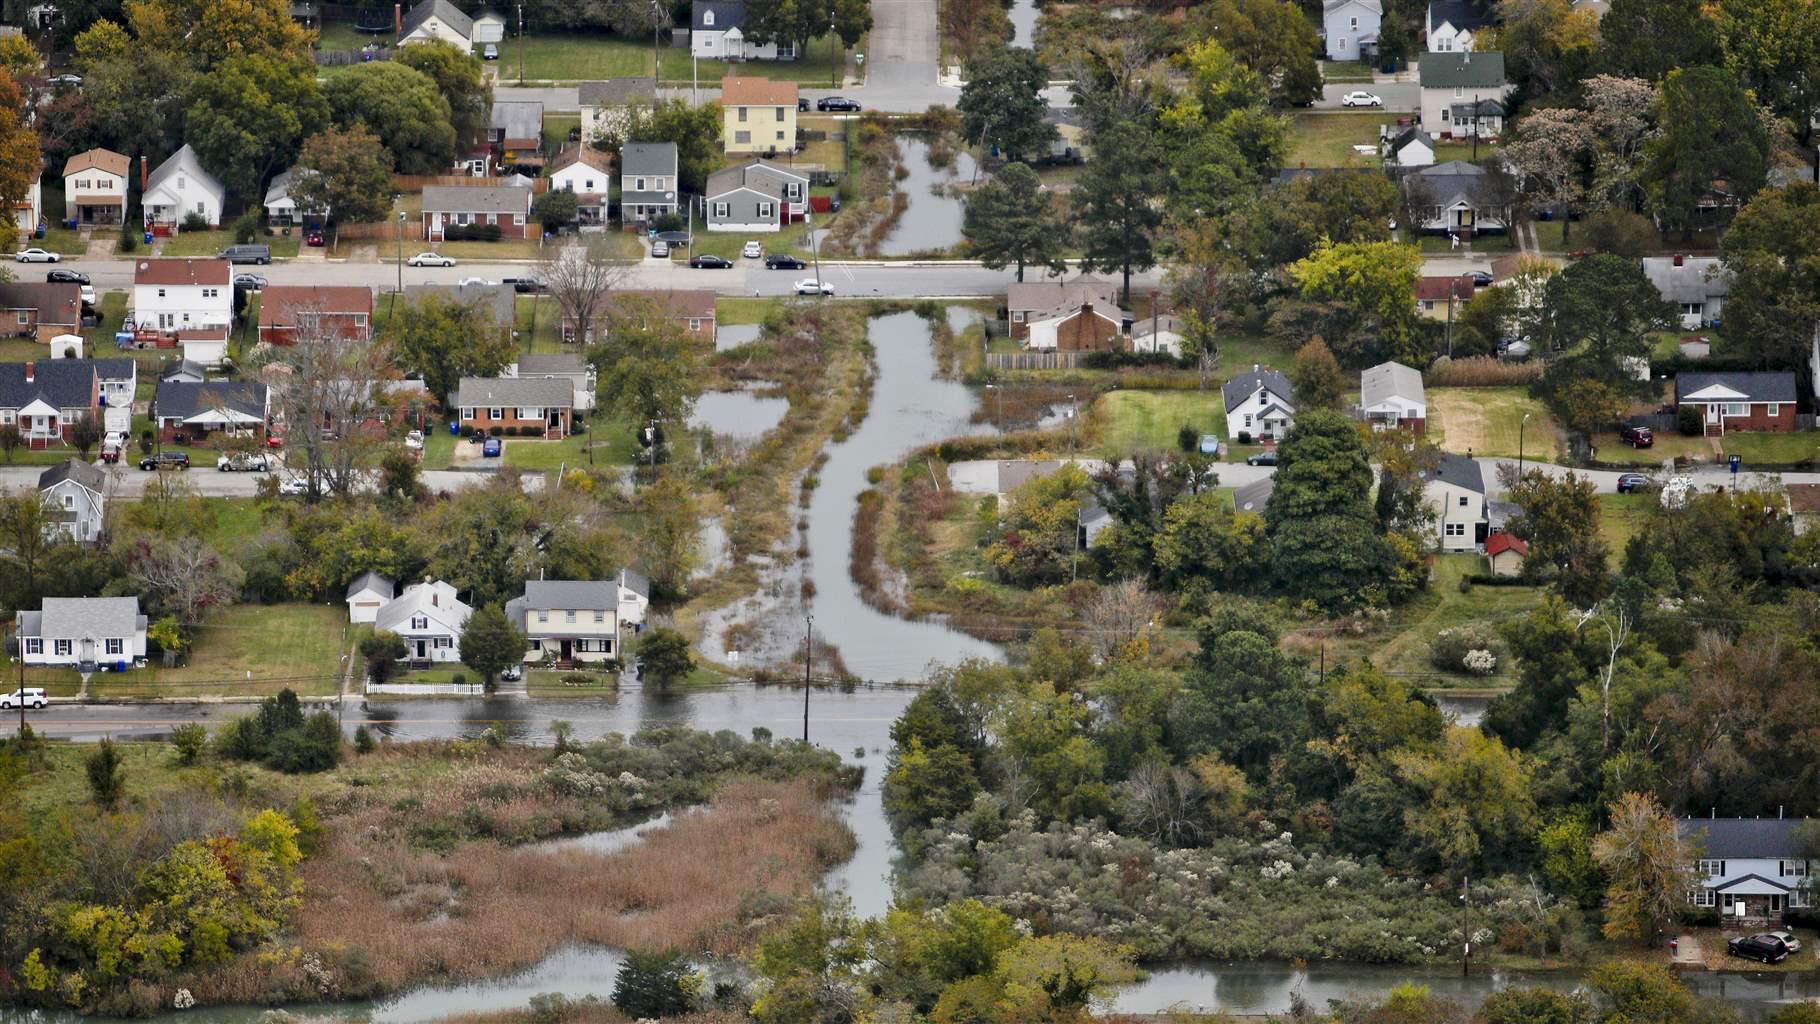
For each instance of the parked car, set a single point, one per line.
(293, 485)
(525, 285)
(37, 255)
(1361, 98)
(802, 104)
(827, 103)
(752, 250)
(413, 440)
(477, 282)
(67, 79)
(491, 448)
(660, 250)
(88, 296)
(1637, 437)
(1762, 947)
(512, 673)
(1262, 459)
(490, 52)
(431, 259)
(1210, 444)
(780, 261)
(61, 276)
(260, 254)
(1630, 483)
(1788, 939)
(165, 460)
(813, 286)
(112, 445)
(1481, 278)
(314, 239)
(30, 697)
(242, 462)
(250, 282)
(710, 263)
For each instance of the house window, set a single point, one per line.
(767, 210)
(1773, 409)
(599, 616)
(1353, 24)
(1693, 309)
(1711, 869)
(1462, 501)
(638, 184)
(34, 646)
(1248, 419)
(467, 412)
(1459, 93)
(742, 114)
(694, 324)
(1792, 869)
(780, 135)
(420, 622)
(1017, 316)
(707, 19)
(443, 643)
(543, 615)
(1456, 529)
(69, 501)
(24, 318)
(1443, 115)
(569, 616)
(1797, 897)
(115, 645)
(62, 648)
(527, 413)
(161, 293)
(720, 211)
(742, 138)
(779, 114)
(1737, 409)
(1701, 897)
(496, 414)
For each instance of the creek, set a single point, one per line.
(933, 219)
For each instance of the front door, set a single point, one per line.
(567, 649)
(420, 649)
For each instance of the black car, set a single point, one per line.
(1763, 947)
(249, 282)
(1637, 437)
(1630, 483)
(827, 103)
(165, 460)
(1262, 459)
(779, 261)
(1480, 278)
(710, 263)
(66, 277)
(525, 285)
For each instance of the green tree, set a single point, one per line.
(1115, 201)
(1473, 806)
(1772, 265)
(189, 740)
(1650, 38)
(926, 784)
(382, 651)
(811, 965)
(1009, 220)
(106, 774)
(1376, 281)
(655, 984)
(1649, 868)
(663, 657)
(460, 79)
(1047, 732)
(1710, 131)
(649, 369)
(694, 129)
(249, 115)
(556, 209)
(1203, 539)
(1635, 992)
(1055, 977)
(668, 531)
(1771, 48)
(490, 643)
(1246, 701)
(1565, 843)
(1554, 660)
(10, 440)
(1534, 1006)
(1275, 40)
(1319, 382)
(1038, 540)
(402, 106)
(445, 339)
(136, 94)
(1559, 518)
(1002, 105)
(1324, 536)
(1605, 309)
(345, 172)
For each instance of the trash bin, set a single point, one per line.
(454, 428)
(148, 238)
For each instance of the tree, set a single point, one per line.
(445, 339)
(649, 368)
(668, 531)
(1605, 309)
(1473, 807)
(1275, 40)
(1002, 105)
(1009, 220)
(1324, 535)
(1772, 263)
(1037, 541)
(1649, 867)
(1055, 977)
(1770, 47)
(490, 643)
(694, 129)
(1374, 281)
(1534, 1006)
(655, 984)
(811, 964)
(1115, 201)
(85, 434)
(1711, 132)
(383, 651)
(556, 209)
(210, 33)
(403, 107)
(249, 115)
(1559, 518)
(345, 174)
(137, 94)
(582, 277)
(460, 79)
(1548, 45)
(183, 577)
(1650, 38)
(663, 657)
(106, 774)
(20, 159)
(1204, 540)
(10, 440)
(332, 377)
(1549, 150)
(1319, 383)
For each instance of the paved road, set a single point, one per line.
(1398, 97)
(130, 481)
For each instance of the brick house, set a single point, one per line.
(1084, 328)
(193, 412)
(40, 309)
(447, 206)
(1029, 301)
(691, 308)
(46, 397)
(1739, 401)
(545, 404)
(344, 310)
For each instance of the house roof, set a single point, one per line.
(1458, 470)
(372, 581)
(1164, 324)
(518, 119)
(1471, 69)
(1252, 497)
(1498, 514)
(1045, 295)
(1451, 182)
(450, 14)
(184, 368)
(98, 159)
(615, 92)
(727, 14)
(183, 272)
(1246, 384)
(280, 303)
(1370, 5)
(1744, 838)
(732, 179)
(498, 392)
(647, 158)
(1385, 381)
(184, 162)
(59, 383)
(1486, 107)
(1408, 137)
(75, 470)
(280, 188)
(178, 399)
(1747, 387)
(55, 303)
(476, 199)
(74, 617)
(636, 582)
(498, 299)
(1461, 14)
(551, 364)
(435, 598)
(748, 91)
(1503, 541)
(1697, 279)
(1438, 289)
(1751, 879)
(587, 156)
(688, 303)
(564, 595)
(1803, 499)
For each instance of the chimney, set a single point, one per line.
(144, 174)
(31, 372)
(1680, 259)
(398, 19)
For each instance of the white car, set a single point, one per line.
(293, 485)
(477, 282)
(242, 462)
(811, 286)
(1789, 940)
(30, 697)
(431, 259)
(88, 294)
(1360, 98)
(413, 440)
(37, 255)
(753, 251)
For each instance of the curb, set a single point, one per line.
(76, 702)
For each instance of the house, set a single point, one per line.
(1504, 554)
(1083, 328)
(1803, 506)
(183, 411)
(74, 497)
(184, 370)
(281, 209)
(205, 346)
(1351, 28)
(588, 173)
(1739, 401)
(1411, 147)
(516, 132)
(754, 197)
(179, 188)
(717, 31)
(429, 618)
(1450, 78)
(83, 632)
(758, 115)
(1748, 867)
(606, 106)
(1258, 405)
(173, 295)
(648, 183)
(1697, 286)
(1391, 397)
(1442, 298)
(433, 20)
(498, 300)
(1029, 300)
(507, 207)
(568, 366)
(568, 620)
(1453, 23)
(540, 405)
(634, 596)
(1157, 333)
(1483, 119)
(367, 594)
(28, 211)
(633, 308)
(316, 312)
(489, 27)
(1252, 497)
(94, 187)
(40, 310)
(45, 398)
(1456, 198)
(1455, 489)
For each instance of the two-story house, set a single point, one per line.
(176, 295)
(45, 398)
(1260, 405)
(1697, 285)
(588, 173)
(758, 115)
(83, 632)
(755, 197)
(607, 104)
(1748, 867)
(516, 132)
(717, 31)
(1455, 489)
(118, 385)
(648, 184)
(1451, 80)
(1351, 28)
(1443, 298)
(74, 497)
(1452, 24)
(94, 187)
(180, 187)
(543, 405)
(288, 312)
(429, 618)
(568, 620)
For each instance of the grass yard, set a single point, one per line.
(1438, 244)
(208, 244)
(249, 650)
(1138, 420)
(1347, 71)
(1326, 139)
(1239, 352)
(439, 447)
(556, 129)
(1668, 446)
(56, 682)
(1622, 516)
(544, 683)
(793, 240)
(1406, 655)
(1488, 422)
(504, 249)
(816, 67)
(539, 320)
(745, 311)
(1800, 446)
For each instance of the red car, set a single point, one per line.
(315, 239)
(1637, 437)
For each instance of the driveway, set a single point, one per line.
(1400, 97)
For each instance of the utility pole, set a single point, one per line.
(657, 24)
(400, 292)
(808, 663)
(1466, 927)
(521, 44)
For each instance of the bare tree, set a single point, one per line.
(183, 576)
(582, 279)
(329, 387)
(1118, 615)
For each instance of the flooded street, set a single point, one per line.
(1023, 24)
(933, 219)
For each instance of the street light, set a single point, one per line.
(1072, 410)
(1524, 423)
(400, 291)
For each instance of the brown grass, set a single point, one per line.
(1482, 372)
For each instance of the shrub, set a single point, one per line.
(129, 239)
(382, 652)
(1472, 648)
(246, 226)
(1244, 437)
(363, 740)
(189, 740)
(467, 430)
(655, 984)
(106, 777)
(459, 679)
(490, 232)
(1688, 421)
(1187, 438)
(316, 747)
(194, 221)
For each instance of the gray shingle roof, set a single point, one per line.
(496, 298)
(551, 595)
(1461, 14)
(75, 617)
(1459, 471)
(727, 14)
(1756, 387)
(615, 92)
(1468, 70)
(476, 199)
(380, 584)
(1390, 380)
(60, 383)
(1740, 838)
(1451, 182)
(448, 12)
(1253, 496)
(518, 119)
(635, 582)
(183, 399)
(77, 470)
(498, 392)
(1246, 384)
(648, 158)
(553, 363)
(1697, 279)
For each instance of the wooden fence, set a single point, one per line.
(1033, 360)
(381, 231)
(417, 182)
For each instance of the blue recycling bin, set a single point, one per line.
(454, 428)
(148, 238)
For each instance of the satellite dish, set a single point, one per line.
(669, 195)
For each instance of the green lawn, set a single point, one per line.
(504, 249)
(57, 682)
(793, 240)
(1622, 516)
(1325, 139)
(745, 311)
(542, 683)
(439, 447)
(1771, 448)
(1346, 71)
(813, 69)
(1668, 445)
(1406, 655)
(539, 320)
(1239, 352)
(206, 244)
(1151, 420)
(1489, 422)
(537, 454)
(1505, 242)
(249, 650)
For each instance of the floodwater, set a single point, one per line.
(741, 415)
(933, 219)
(1023, 24)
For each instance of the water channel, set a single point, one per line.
(932, 221)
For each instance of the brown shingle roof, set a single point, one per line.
(575, 153)
(746, 91)
(279, 302)
(1804, 499)
(54, 303)
(182, 272)
(1435, 289)
(694, 303)
(102, 159)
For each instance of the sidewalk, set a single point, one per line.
(1688, 956)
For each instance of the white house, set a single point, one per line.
(180, 187)
(717, 32)
(429, 617)
(1453, 23)
(1161, 333)
(1697, 285)
(1748, 867)
(367, 594)
(634, 596)
(74, 496)
(569, 366)
(83, 632)
(280, 208)
(1259, 405)
(1351, 27)
(607, 104)
(588, 173)
(437, 20)
(94, 187)
(1455, 489)
(568, 620)
(1463, 81)
(176, 295)
(1411, 147)
(1391, 396)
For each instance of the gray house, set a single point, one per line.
(1457, 198)
(498, 300)
(1697, 285)
(755, 197)
(1351, 28)
(74, 496)
(648, 183)
(567, 366)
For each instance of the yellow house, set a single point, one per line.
(758, 115)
